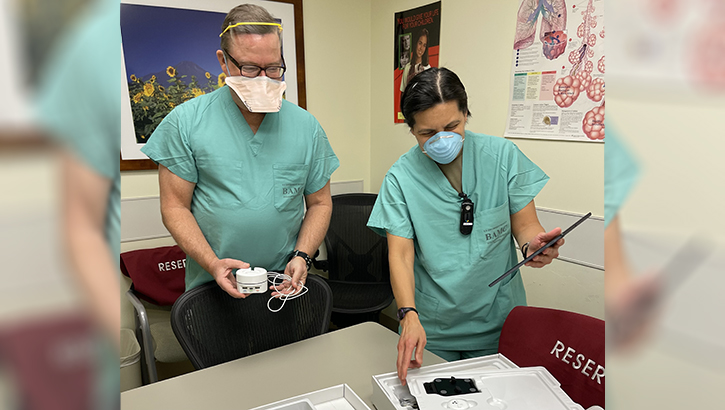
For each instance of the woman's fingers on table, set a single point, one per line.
(403, 361)
(406, 347)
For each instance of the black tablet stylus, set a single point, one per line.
(542, 249)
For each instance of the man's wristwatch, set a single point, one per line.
(302, 255)
(403, 311)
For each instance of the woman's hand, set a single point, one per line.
(632, 309)
(412, 338)
(545, 257)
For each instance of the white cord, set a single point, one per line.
(284, 297)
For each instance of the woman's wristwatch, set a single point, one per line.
(302, 255)
(402, 311)
(525, 249)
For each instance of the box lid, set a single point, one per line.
(332, 398)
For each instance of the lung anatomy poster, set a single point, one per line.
(557, 85)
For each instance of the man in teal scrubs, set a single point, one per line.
(435, 267)
(87, 127)
(233, 171)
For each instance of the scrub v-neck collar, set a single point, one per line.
(255, 140)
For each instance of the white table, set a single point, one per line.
(351, 355)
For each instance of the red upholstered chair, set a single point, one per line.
(43, 359)
(569, 345)
(158, 280)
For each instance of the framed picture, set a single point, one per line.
(169, 56)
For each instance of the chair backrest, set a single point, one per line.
(157, 273)
(569, 345)
(354, 252)
(214, 327)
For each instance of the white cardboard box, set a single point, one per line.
(500, 384)
(340, 397)
(388, 393)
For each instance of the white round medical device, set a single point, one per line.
(252, 280)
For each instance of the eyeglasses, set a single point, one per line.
(274, 72)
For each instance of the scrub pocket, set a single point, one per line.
(289, 186)
(494, 231)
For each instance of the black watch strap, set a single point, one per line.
(302, 255)
(525, 249)
(404, 310)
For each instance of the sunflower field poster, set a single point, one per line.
(170, 58)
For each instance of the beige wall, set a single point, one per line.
(337, 61)
(678, 143)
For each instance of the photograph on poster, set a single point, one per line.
(404, 44)
(417, 38)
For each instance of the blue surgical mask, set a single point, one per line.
(443, 147)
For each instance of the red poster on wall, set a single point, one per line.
(417, 39)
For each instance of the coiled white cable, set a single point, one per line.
(272, 278)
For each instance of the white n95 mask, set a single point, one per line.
(259, 94)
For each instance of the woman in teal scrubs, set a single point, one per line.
(440, 263)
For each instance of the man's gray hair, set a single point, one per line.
(247, 13)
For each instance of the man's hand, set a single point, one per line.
(297, 270)
(412, 337)
(549, 254)
(222, 271)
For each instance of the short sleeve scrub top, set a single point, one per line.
(457, 308)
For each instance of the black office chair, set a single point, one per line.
(357, 262)
(214, 327)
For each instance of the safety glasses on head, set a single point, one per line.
(250, 23)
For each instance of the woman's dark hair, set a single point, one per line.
(432, 87)
(414, 48)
